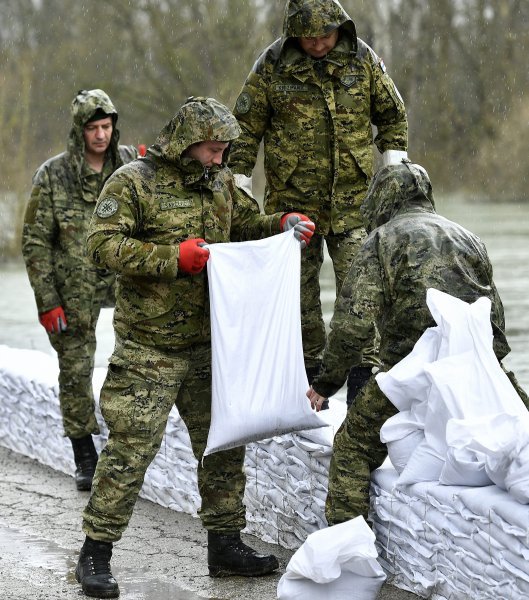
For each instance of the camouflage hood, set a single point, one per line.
(198, 120)
(395, 189)
(83, 107)
(314, 18)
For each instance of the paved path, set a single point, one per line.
(162, 555)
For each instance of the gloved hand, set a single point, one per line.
(302, 225)
(54, 320)
(193, 257)
(393, 157)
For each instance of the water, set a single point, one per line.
(503, 227)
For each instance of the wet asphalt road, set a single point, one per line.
(162, 555)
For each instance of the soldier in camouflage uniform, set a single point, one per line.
(151, 221)
(312, 97)
(69, 290)
(409, 249)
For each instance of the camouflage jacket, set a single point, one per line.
(61, 204)
(410, 249)
(315, 119)
(149, 207)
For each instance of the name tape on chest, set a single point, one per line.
(292, 87)
(170, 204)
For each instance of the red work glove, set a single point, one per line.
(302, 225)
(142, 149)
(193, 258)
(53, 321)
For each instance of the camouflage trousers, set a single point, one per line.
(75, 349)
(342, 249)
(357, 451)
(140, 390)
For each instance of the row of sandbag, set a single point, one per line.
(451, 542)
(286, 475)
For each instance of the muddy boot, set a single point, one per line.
(93, 570)
(85, 456)
(311, 375)
(357, 378)
(228, 555)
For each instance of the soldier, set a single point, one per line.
(409, 249)
(312, 97)
(151, 221)
(69, 290)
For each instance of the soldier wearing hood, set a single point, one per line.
(69, 290)
(312, 98)
(410, 248)
(151, 221)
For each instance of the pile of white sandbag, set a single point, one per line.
(460, 420)
(451, 512)
(451, 542)
(31, 424)
(287, 480)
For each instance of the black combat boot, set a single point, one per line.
(85, 456)
(311, 375)
(93, 570)
(228, 555)
(357, 378)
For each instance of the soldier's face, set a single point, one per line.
(97, 135)
(209, 152)
(318, 47)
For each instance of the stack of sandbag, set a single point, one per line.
(451, 542)
(286, 475)
(450, 509)
(31, 424)
(29, 408)
(287, 480)
(461, 422)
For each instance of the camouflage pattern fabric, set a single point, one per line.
(315, 119)
(151, 205)
(61, 204)
(357, 451)
(142, 386)
(162, 324)
(342, 249)
(410, 248)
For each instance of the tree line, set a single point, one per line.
(460, 66)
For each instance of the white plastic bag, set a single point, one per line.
(338, 563)
(258, 372)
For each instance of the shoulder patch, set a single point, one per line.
(107, 207)
(382, 66)
(244, 103)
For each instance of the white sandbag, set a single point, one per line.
(258, 372)
(517, 477)
(464, 467)
(424, 464)
(470, 441)
(338, 562)
(466, 383)
(406, 383)
(400, 450)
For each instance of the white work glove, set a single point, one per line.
(393, 157)
(302, 225)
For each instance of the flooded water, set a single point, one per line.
(503, 227)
